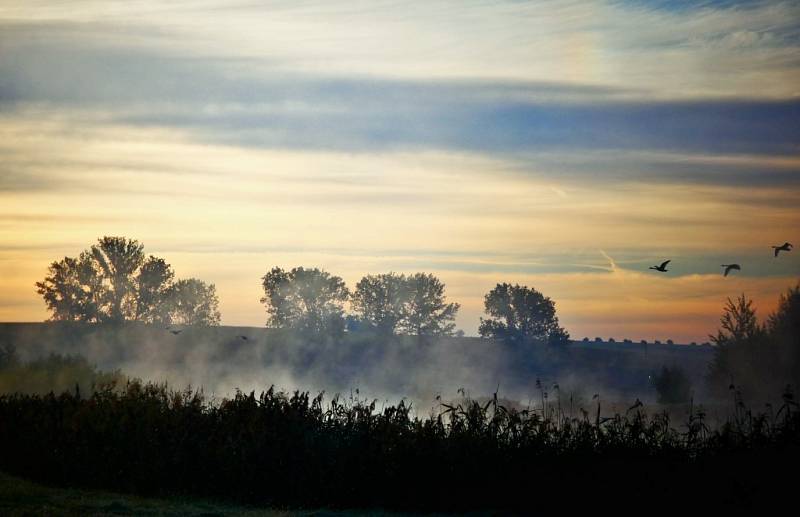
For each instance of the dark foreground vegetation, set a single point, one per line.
(20, 497)
(292, 450)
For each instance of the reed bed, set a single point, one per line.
(293, 450)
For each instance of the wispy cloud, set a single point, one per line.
(706, 49)
(482, 141)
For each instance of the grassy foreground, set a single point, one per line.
(282, 450)
(21, 497)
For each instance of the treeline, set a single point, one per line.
(298, 451)
(113, 281)
(312, 301)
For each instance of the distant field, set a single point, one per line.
(221, 359)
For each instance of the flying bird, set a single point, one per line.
(730, 267)
(176, 332)
(662, 267)
(786, 246)
(243, 338)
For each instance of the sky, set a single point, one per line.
(566, 146)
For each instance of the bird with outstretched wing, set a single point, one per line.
(730, 267)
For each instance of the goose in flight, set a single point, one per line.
(176, 332)
(786, 246)
(662, 267)
(730, 267)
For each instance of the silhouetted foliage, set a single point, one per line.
(672, 385)
(192, 302)
(153, 285)
(426, 311)
(291, 449)
(8, 355)
(55, 373)
(783, 327)
(73, 291)
(310, 301)
(393, 303)
(380, 302)
(519, 314)
(753, 357)
(114, 282)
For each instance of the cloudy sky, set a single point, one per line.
(562, 145)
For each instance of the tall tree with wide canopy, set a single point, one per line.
(112, 281)
(380, 301)
(73, 290)
(192, 302)
(305, 300)
(427, 312)
(118, 260)
(519, 314)
(154, 289)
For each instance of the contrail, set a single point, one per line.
(613, 265)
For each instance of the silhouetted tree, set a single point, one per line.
(760, 359)
(305, 300)
(427, 312)
(738, 341)
(380, 301)
(784, 324)
(739, 322)
(73, 290)
(192, 302)
(113, 282)
(783, 328)
(118, 259)
(521, 314)
(153, 284)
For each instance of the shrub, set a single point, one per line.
(672, 385)
(57, 374)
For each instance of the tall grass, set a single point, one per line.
(291, 449)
